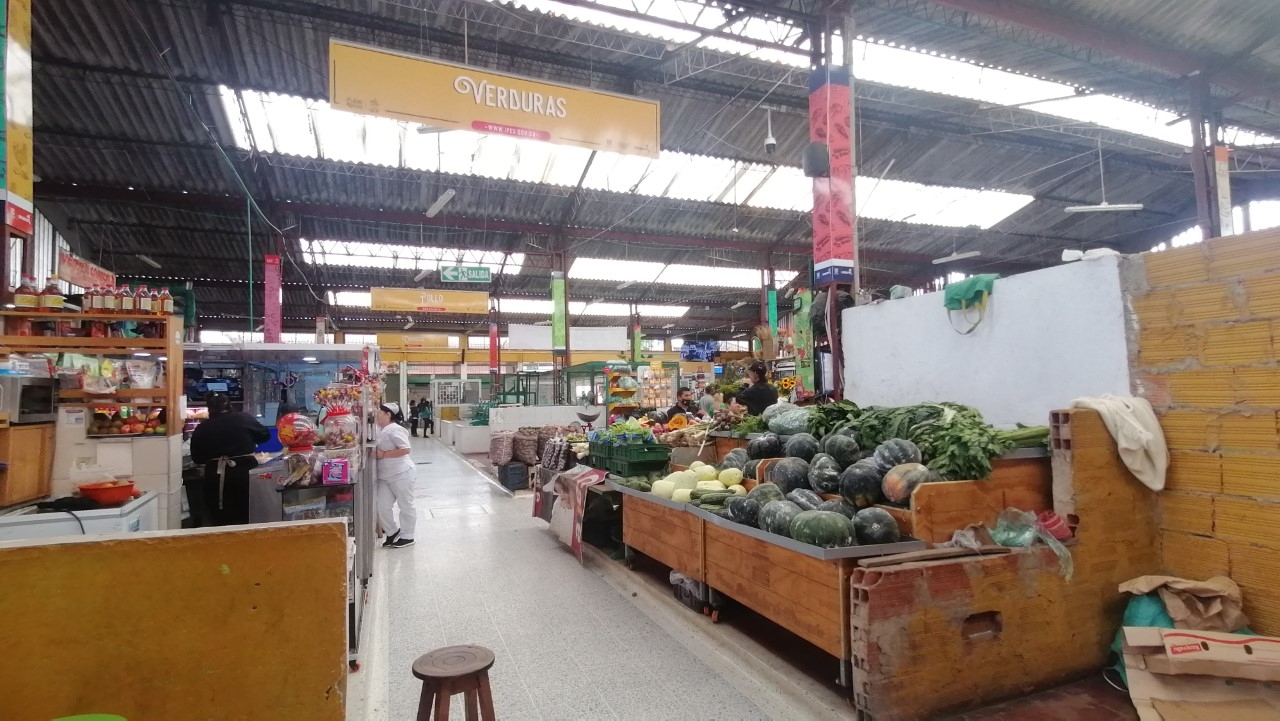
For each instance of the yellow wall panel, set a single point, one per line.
(1192, 471)
(1186, 512)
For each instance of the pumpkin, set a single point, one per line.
(825, 529)
(749, 470)
(680, 421)
(768, 445)
(860, 485)
(901, 480)
(824, 474)
(895, 452)
(790, 474)
(776, 517)
(876, 525)
(805, 498)
(801, 445)
(840, 506)
(736, 458)
(743, 510)
(844, 449)
(765, 493)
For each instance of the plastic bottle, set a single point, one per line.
(86, 301)
(128, 304)
(166, 303)
(26, 297)
(51, 297)
(110, 304)
(143, 298)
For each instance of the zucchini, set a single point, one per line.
(642, 486)
(715, 499)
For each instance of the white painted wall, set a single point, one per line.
(538, 337)
(1049, 336)
(516, 417)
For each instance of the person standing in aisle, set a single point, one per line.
(759, 395)
(708, 403)
(428, 425)
(395, 477)
(224, 445)
(413, 418)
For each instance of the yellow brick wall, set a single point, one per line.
(1206, 344)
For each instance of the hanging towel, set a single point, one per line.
(1133, 424)
(969, 292)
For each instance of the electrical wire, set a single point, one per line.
(78, 521)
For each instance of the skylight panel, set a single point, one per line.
(524, 306)
(231, 108)
(259, 124)
(698, 177)
(495, 156)
(290, 120)
(422, 150)
(710, 277)
(533, 161)
(617, 271)
(662, 311)
(405, 257)
(339, 131)
(383, 138)
(566, 166)
(350, 298)
(615, 172)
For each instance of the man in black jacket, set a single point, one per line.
(224, 445)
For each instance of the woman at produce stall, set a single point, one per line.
(759, 395)
(224, 445)
(395, 477)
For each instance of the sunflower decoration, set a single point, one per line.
(785, 385)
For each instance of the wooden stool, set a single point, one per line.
(455, 669)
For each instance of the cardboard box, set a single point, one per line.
(1181, 675)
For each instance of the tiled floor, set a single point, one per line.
(568, 645)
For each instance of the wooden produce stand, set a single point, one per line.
(29, 449)
(933, 637)
(1022, 480)
(662, 530)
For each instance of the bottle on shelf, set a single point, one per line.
(50, 298)
(143, 301)
(26, 297)
(128, 304)
(166, 302)
(110, 303)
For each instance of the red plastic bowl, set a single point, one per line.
(106, 492)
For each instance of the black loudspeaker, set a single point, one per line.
(817, 160)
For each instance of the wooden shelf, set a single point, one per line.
(86, 346)
(104, 317)
(73, 394)
(100, 404)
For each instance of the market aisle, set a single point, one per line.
(568, 645)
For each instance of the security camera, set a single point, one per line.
(770, 142)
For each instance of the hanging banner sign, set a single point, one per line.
(559, 314)
(78, 271)
(376, 81)
(833, 221)
(417, 300)
(19, 210)
(272, 300)
(495, 346)
(413, 340)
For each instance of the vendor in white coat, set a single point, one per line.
(395, 477)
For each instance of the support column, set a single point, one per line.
(495, 351)
(559, 331)
(1199, 170)
(272, 298)
(1222, 190)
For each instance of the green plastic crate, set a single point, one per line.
(643, 452)
(602, 450)
(634, 468)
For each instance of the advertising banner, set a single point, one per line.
(78, 271)
(413, 340)
(559, 314)
(377, 81)
(418, 300)
(271, 300)
(833, 219)
(19, 211)
(495, 345)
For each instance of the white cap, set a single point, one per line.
(393, 407)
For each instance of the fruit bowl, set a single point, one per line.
(107, 493)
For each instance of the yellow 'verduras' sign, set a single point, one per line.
(373, 81)
(413, 340)
(418, 300)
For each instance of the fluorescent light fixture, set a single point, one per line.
(738, 305)
(310, 359)
(148, 260)
(442, 201)
(421, 274)
(669, 326)
(1103, 208)
(163, 358)
(142, 354)
(355, 254)
(627, 284)
(741, 335)
(408, 325)
(957, 256)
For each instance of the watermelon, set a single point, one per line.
(840, 506)
(737, 458)
(844, 449)
(743, 510)
(801, 445)
(901, 480)
(776, 408)
(826, 529)
(768, 445)
(876, 525)
(792, 422)
(790, 474)
(824, 474)
(749, 470)
(776, 517)
(895, 452)
(805, 498)
(860, 485)
(765, 493)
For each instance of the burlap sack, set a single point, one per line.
(500, 447)
(524, 446)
